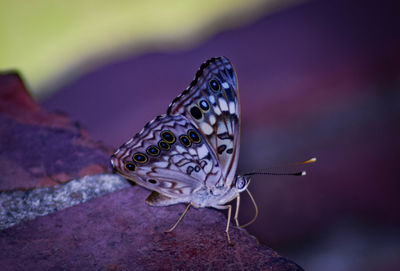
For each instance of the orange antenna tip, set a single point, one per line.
(312, 160)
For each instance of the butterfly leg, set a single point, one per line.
(180, 218)
(229, 207)
(237, 210)
(255, 207)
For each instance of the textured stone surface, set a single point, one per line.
(38, 148)
(18, 205)
(120, 232)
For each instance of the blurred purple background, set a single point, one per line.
(319, 79)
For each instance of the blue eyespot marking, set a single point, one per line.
(153, 150)
(204, 105)
(214, 85)
(139, 157)
(130, 166)
(164, 145)
(185, 141)
(194, 137)
(168, 136)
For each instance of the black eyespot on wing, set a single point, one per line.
(214, 85)
(186, 91)
(194, 136)
(153, 150)
(231, 72)
(164, 145)
(139, 158)
(189, 170)
(196, 113)
(221, 149)
(168, 136)
(130, 166)
(185, 141)
(204, 105)
(152, 181)
(229, 151)
(225, 135)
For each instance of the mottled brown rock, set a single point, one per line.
(39, 148)
(120, 232)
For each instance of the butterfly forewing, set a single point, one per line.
(211, 103)
(169, 156)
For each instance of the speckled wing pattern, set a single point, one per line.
(195, 146)
(220, 124)
(179, 169)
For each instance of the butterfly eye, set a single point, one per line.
(140, 158)
(168, 136)
(130, 166)
(185, 141)
(240, 182)
(194, 137)
(152, 181)
(214, 85)
(204, 105)
(196, 112)
(153, 150)
(164, 145)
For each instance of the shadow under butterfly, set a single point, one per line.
(190, 154)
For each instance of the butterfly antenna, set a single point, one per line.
(299, 173)
(311, 160)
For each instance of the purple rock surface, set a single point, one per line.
(39, 148)
(120, 232)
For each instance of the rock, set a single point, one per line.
(120, 232)
(19, 205)
(38, 148)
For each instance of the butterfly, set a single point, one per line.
(190, 154)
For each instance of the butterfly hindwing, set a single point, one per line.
(169, 156)
(211, 103)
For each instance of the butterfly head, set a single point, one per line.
(241, 183)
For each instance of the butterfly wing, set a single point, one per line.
(211, 103)
(169, 156)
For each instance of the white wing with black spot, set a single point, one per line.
(211, 103)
